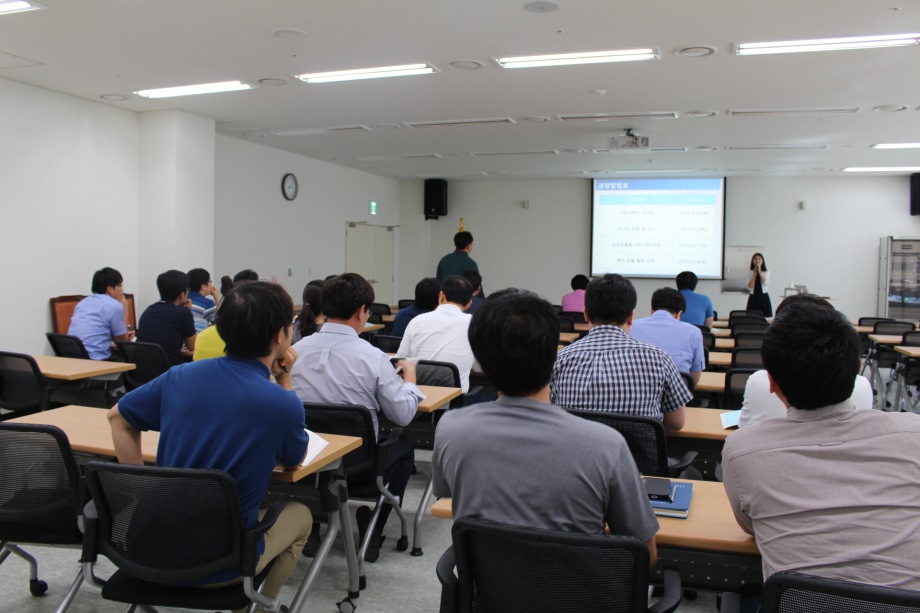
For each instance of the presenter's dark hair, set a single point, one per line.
(812, 353)
(198, 277)
(243, 276)
(462, 240)
(426, 293)
(474, 278)
(171, 284)
(580, 282)
(105, 278)
(610, 300)
(457, 289)
(514, 335)
(312, 308)
(251, 315)
(763, 266)
(687, 280)
(345, 294)
(669, 299)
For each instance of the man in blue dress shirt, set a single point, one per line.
(682, 341)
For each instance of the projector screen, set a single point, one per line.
(658, 228)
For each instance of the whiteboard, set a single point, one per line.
(737, 267)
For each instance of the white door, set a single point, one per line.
(369, 252)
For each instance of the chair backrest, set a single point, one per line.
(911, 339)
(702, 327)
(386, 343)
(790, 592)
(644, 435)
(40, 492)
(405, 303)
(747, 357)
(67, 346)
(509, 568)
(379, 307)
(893, 327)
(348, 420)
(688, 380)
(871, 321)
(443, 374)
(166, 525)
(733, 314)
(375, 318)
(62, 312)
(576, 316)
(22, 385)
(735, 381)
(747, 328)
(749, 339)
(709, 340)
(566, 324)
(149, 358)
(558, 309)
(747, 319)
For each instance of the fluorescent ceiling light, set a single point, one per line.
(191, 90)
(367, 73)
(18, 6)
(828, 44)
(883, 169)
(897, 146)
(569, 59)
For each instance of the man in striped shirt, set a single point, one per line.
(610, 371)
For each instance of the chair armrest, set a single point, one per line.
(730, 602)
(90, 532)
(474, 392)
(251, 538)
(382, 444)
(449, 581)
(673, 592)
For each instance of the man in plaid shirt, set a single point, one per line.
(610, 371)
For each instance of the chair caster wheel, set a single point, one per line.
(362, 582)
(37, 587)
(416, 552)
(346, 606)
(403, 543)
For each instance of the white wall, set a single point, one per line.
(832, 246)
(68, 204)
(255, 227)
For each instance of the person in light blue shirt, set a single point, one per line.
(99, 319)
(699, 307)
(682, 341)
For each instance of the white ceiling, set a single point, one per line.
(89, 48)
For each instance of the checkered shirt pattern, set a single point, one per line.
(610, 371)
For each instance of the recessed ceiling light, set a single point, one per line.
(541, 7)
(828, 44)
(696, 51)
(705, 148)
(701, 113)
(891, 108)
(114, 97)
(535, 119)
(571, 59)
(387, 126)
(272, 81)
(19, 6)
(896, 146)
(289, 33)
(191, 90)
(883, 169)
(404, 70)
(465, 65)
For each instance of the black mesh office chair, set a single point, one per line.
(747, 357)
(735, 382)
(380, 308)
(884, 356)
(566, 324)
(40, 496)
(149, 358)
(709, 340)
(871, 321)
(742, 313)
(647, 443)
(576, 316)
(749, 327)
(23, 388)
(790, 592)
(386, 343)
(521, 570)
(748, 339)
(67, 346)
(402, 304)
(167, 526)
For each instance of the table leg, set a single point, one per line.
(417, 524)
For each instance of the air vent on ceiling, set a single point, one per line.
(609, 116)
(669, 149)
(313, 131)
(446, 123)
(539, 152)
(783, 112)
(411, 156)
(775, 147)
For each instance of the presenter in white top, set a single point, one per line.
(758, 277)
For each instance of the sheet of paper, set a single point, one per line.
(317, 444)
(730, 419)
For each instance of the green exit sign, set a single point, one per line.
(372, 207)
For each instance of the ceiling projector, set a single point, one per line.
(630, 141)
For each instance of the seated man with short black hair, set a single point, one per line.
(169, 323)
(827, 490)
(682, 341)
(475, 280)
(699, 307)
(99, 319)
(426, 300)
(523, 461)
(610, 371)
(226, 414)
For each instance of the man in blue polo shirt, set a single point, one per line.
(99, 319)
(682, 341)
(699, 307)
(226, 414)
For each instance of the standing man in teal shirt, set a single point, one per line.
(459, 261)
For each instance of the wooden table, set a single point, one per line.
(568, 337)
(725, 343)
(372, 328)
(711, 549)
(74, 369)
(711, 382)
(721, 332)
(720, 359)
(701, 424)
(720, 323)
(886, 339)
(437, 397)
(583, 328)
(388, 319)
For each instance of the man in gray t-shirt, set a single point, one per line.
(523, 461)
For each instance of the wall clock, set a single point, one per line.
(289, 186)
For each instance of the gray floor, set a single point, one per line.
(396, 583)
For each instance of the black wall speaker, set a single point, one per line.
(915, 194)
(435, 198)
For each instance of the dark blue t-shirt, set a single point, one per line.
(167, 325)
(403, 317)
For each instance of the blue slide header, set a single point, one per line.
(657, 184)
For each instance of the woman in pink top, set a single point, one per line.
(574, 301)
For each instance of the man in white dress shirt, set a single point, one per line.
(441, 335)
